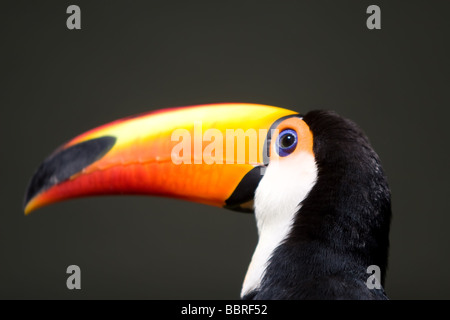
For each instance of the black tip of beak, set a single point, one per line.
(61, 165)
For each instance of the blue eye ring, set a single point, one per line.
(286, 142)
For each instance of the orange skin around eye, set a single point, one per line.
(304, 137)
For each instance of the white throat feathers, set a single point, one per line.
(286, 183)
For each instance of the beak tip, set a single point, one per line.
(26, 210)
(60, 166)
(27, 205)
(30, 195)
(33, 204)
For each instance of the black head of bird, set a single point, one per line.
(316, 186)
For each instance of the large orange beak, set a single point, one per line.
(210, 154)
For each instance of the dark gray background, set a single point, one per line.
(135, 56)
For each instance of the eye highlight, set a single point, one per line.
(286, 142)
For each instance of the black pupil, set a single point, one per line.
(287, 140)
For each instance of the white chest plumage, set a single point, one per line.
(286, 182)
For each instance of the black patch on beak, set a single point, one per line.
(64, 164)
(245, 191)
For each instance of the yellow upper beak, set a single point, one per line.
(201, 153)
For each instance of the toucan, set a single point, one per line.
(320, 197)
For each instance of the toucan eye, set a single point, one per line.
(286, 142)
